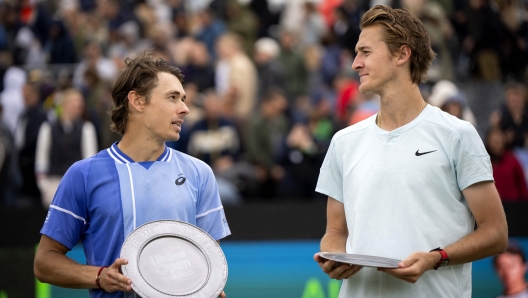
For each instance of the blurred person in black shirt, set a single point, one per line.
(26, 140)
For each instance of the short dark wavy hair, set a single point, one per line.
(140, 75)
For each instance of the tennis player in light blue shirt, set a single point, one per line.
(102, 199)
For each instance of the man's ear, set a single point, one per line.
(135, 101)
(404, 54)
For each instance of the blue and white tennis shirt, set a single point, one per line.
(102, 199)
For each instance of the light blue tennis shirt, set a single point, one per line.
(402, 193)
(102, 199)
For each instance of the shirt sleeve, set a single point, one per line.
(88, 140)
(67, 216)
(471, 160)
(210, 215)
(43, 149)
(330, 180)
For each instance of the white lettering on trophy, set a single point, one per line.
(170, 256)
(199, 238)
(173, 267)
(146, 233)
(185, 230)
(162, 228)
(209, 249)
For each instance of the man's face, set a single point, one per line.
(373, 61)
(510, 269)
(163, 114)
(73, 106)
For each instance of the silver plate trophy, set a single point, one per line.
(362, 260)
(170, 258)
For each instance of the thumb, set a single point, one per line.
(408, 261)
(120, 261)
(319, 259)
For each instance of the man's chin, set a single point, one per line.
(365, 90)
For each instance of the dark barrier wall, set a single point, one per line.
(259, 221)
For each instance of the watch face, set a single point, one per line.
(443, 264)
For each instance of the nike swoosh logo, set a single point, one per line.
(422, 153)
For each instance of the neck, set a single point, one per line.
(399, 107)
(141, 148)
(516, 289)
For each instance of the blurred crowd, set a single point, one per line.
(268, 83)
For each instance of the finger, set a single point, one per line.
(119, 279)
(349, 272)
(319, 259)
(222, 295)
(337, 271)
(329, 265)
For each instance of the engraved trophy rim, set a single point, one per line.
(196, 239)
(361, 260)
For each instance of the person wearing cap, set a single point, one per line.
(138, 180)
(410, 182)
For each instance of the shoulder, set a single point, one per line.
(190, 162)
(82, 167)
(461, 131)
(353, 131)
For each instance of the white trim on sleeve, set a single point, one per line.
(209, 211)
(68, 212)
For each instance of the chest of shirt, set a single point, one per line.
(413, 158)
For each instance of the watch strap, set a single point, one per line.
(444, 260)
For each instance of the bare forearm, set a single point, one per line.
(57, 269)
(486, 241)
(334, 241)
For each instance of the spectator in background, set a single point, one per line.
(434, 18)
(511, 268)
(307, 143)
(514, 47)
(346, 91)
(235, 78)
(444, 91)
(199, 69)
(93, 58)
(483, 40)
(10, 179)
(507, 171)
(59, 46)
(364, 106)
(128, 43)
(512, 118)
(270, 70)
(26, 140)
(214, 139)
(98, 106)
(63, 142)
(211, 28)
(454, 106)
(243, 22)
(265, 139)
(11, 97)
(313, 27)
(296, 74)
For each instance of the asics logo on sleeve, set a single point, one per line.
(422, 153)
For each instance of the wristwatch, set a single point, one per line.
(444, 260)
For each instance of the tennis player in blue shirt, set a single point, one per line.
(102, 199)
